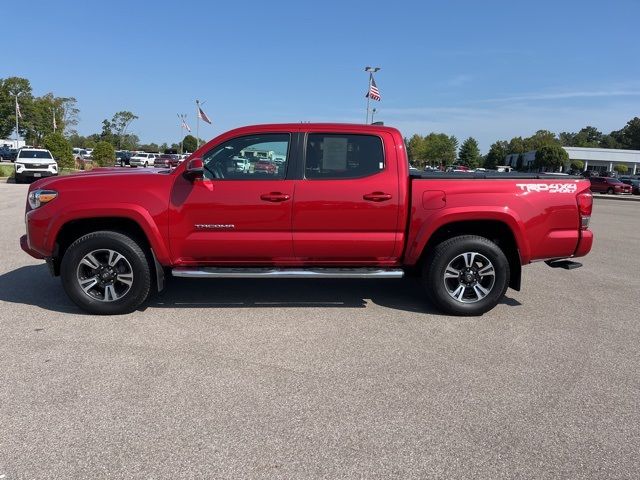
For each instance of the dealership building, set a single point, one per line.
(594, 159)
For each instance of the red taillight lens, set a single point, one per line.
(585, 206)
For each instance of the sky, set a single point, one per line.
(491, 70)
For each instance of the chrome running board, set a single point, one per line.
(269, 272)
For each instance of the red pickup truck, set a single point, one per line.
(339, 201)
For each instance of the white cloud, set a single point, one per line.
(563, 96)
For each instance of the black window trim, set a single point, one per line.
(303, 156)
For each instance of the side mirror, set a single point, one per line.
(195, 169)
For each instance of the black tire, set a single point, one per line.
(610, 191)
(18, 178)
(453, 250)
(136, 258)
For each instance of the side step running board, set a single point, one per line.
(566, 264)
(222, 272)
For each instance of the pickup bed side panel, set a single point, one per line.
(544, 219)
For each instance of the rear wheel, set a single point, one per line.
(106, 273)
(610, 191)
(466, 275)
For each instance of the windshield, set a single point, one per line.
(34, 154)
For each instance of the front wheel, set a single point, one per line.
(610, 191)
(106, 273)
(466, 275)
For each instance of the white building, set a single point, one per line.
(12, 143)
(595, 159)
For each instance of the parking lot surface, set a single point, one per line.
(334, 379)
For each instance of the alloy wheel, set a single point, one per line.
(105, 275)
(469, 277)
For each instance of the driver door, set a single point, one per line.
(237, 214)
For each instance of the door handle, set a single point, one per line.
(275, 197)
(377, 197)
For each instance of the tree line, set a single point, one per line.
(51, 121)
(439, 149)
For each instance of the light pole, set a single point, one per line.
(371, 71)
(17, 114)
(373, 112)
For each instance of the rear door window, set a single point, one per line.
(342, 156)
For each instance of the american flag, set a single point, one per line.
(203, 116)
(373, 93)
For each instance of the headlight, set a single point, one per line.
(37, 198)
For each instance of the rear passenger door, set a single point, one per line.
(346, 206)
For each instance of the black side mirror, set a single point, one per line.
(195, 169)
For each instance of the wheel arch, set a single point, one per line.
(496, 231)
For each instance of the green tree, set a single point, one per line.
(497, 153)
(567, 139)
(577, 164)
(416, 150)
(60, 148)
(104, 155)
(150, 147)
(516, 145)
(620, 168)
(189, 143)
(587, 137)
(608, 141)
(540, 139)
(551, 157)
(470, 153)
(114, 131)
(120, 123)
(440, 149)
(8, 88)
(629, 136)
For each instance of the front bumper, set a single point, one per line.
(24, 245)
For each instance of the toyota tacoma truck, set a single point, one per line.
(340, 203)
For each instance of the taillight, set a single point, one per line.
(585, 206)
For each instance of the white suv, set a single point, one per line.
(142, 159)
(34, 163)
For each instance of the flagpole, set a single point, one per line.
(54, 119)
(371, 71)
(181, 133)
(368, 98)
(17, 95)
(197, 124)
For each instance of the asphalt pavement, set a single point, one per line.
(325, 379)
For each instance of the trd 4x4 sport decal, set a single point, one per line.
(551, 187)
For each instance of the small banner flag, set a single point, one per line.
(203, 116)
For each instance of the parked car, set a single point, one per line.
(5, 152)
(609, 185)
(142, 159)
(166, 160)
(123, 157)
(342, 206)
(242, 164)
(633, 182)
(11, 154)
(265, 166)
(34, 163)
